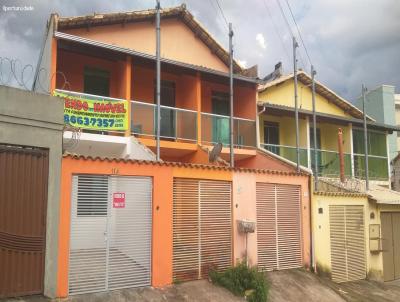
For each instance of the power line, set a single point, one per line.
(276, 30)
(222, 13)
(298, 30)
(289, 28)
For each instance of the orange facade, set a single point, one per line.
(243, 206)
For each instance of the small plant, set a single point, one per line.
(243, 281)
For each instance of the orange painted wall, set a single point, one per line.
(178, 42)
(72, 66)
(264, 161)
(143, 82)
(244, 98)
(162, 217)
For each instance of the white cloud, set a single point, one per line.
(242, 63)
(261, 41)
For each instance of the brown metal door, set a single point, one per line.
(278, 226)
(387, 241)
(396, 244)
(202, 228)
(23, 200)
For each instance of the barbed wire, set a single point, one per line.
(14, 74)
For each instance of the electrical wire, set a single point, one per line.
(289, 28)
(222, 13)
(276, 30)
(298, 30)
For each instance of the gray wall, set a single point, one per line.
(32, 119)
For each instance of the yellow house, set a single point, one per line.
(356, 234)
(277, 129)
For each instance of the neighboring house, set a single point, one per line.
(31, 128)
(395, 160)
(356, 233)
(352, 229)
(112, 57)
(127, 220)
(278, 135)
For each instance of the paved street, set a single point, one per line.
(285, 286)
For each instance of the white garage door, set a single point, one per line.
(202, 228)
(347, 242)
(110, 246)
(278, 226)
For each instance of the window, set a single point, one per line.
(312, 138)
(376, 143)
(96, 81)
(167, 98)
(92, 195)
(220, 103)
(271, 133)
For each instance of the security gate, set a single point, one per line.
(23, 207)
(391, 245)
(110, 233)
(202, 228)
(278, 226)
(347, 235)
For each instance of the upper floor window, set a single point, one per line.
(271, 133)
(220, 103)
(376, 143)
(96, 81)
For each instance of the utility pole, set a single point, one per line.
(296, 110)
(158, 80)
(313, 73)
(364, 89)
(232, 162)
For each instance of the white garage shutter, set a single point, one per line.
(347, 242)
(202, 228)
(130, 234)
(110, 246)
(279, 244)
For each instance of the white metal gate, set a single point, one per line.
(202, 228)
(110, 246)
(347, 234)
(278, 226)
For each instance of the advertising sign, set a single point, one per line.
(119, 200)
(95, 114)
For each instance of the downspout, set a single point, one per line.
(232, 160)
(341, 155)
(312, 254)
(158, 79)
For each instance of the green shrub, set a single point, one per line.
(242, 280)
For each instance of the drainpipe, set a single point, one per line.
(341, 154)
(231, 94)
(364, 89)
(158, 76)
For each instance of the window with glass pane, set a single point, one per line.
(376, 143)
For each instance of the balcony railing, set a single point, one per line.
(288, 152)
(377, 167)
(176, 123)
(215, 128)
(329, 163)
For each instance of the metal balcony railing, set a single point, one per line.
(176, 123)
(215, 129)
(377, 167)
(329, 163)
(288, 152)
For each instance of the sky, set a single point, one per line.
(349, 42)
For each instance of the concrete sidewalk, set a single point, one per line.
(285, 286)
(195, 291)
(300, 285)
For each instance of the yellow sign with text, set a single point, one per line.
(95, 114)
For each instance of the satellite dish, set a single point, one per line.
(215, 152)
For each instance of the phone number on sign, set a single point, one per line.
(94, 122)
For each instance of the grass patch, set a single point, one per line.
(243, 281)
